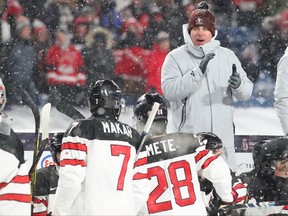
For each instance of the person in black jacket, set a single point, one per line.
(47, 179)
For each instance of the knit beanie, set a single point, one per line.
(202, 17)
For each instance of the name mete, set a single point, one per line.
(114, 127)
(160, 147)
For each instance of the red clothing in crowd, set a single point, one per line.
(65, 66)
(130, 61)
(153, 65)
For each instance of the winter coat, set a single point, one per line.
(204, 102)
(153, 65)
(281, 92)
(99, 59)
(65, 66)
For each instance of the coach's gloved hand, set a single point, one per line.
(204, 62)
(235, 79)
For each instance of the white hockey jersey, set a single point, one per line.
(174, 161)
(97, 174)
(15, 195)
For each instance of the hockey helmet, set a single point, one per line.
(270, 151)
(210, 140)
(144, 105)
(105, 99)
(143, 108)
(55, 146)
(2, 96)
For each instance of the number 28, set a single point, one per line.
(159, 173)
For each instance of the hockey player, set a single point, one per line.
(15, 196)
(268, 180)
(47, 180)
(97, 174)
(174, 162)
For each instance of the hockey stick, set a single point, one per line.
(253, 205)
(44, 127)
(36, 113)
(147, 127)
(69, 110)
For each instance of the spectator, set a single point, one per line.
(110, 17)
(154, 62)
(155, 25)
(98, 55)
(47, 179)
(201, 94)
(268, 180)
(80, 29)
(281, 92)
(129, 57)
(9, 17)
(41, 41)
(183, 8)
(22, 63)
(65, 75)
(101, 139)
(15, 195)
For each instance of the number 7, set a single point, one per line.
(116, 150)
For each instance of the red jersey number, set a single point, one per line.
(186, 184)
(117, 150)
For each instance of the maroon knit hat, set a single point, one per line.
(202, 17)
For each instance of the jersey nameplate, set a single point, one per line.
(114, 127)
(160, 147)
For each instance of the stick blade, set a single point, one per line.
(44, 120)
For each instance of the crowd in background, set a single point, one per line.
(56, 48)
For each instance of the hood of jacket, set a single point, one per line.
(199, 51)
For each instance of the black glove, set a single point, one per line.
(204, 62)
(235, 79)
(214, 204)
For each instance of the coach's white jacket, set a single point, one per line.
(281, 91)
(209, 104)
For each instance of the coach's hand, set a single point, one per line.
(204, 62)
(235, 79)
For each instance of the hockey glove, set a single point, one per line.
(235, 79)
(204, 62)
(214, 204)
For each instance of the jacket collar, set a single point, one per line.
(200, 51)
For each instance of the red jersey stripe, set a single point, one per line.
(38, 201)
(16, 197)
(139, 176)
(74, 146)
(21, 179)
(201, 154)
(209, 161)
(72, 162)
(17, 179)
(140, 162)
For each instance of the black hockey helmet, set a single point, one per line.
(144, 105)
(105, 99)
(210, 140)
(268, 151)
(143, 108)
(55, 146)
